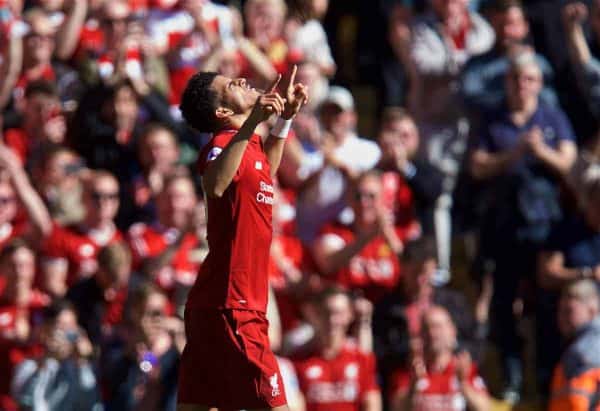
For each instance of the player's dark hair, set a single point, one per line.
(420, 250)
(199, 102)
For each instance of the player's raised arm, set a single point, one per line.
(220, 172)
(296, 95)
(214, 103)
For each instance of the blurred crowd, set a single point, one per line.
(464, 221)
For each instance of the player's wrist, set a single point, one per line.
(282, 127)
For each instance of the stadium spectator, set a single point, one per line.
(306, 34)
(443, 39)
(265, 21)
(334, 373)
(70, 253)
(483, 76)
(58, 177)
(11, 61)
(363, 255)
(62, 377)
(139, 367)
(100, 300)
(43, 124)
(164, 251)
(438, 377)
(571, 252)
(342, 157)
(525, 148)
(583, 56)
(576, 376)
(411, 184)
(397, 317)
(21, 307)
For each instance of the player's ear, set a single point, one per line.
(223, 112)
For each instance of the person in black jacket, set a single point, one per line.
(399, 142)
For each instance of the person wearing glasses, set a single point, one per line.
(70, 253)
(363, 255)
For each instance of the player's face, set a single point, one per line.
(235, 94)
(8, 203)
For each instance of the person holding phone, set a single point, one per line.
(62, 377)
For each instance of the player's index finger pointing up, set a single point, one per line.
(292, 77)
(275, 84)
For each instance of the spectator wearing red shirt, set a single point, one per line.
(48, 39)
(438, 379)
(71, 252)
(100, 300)
(13, 223)
(333, 372)
(265, 21)
(21, 307)
(164, 251)
(43, 122)
(364, 255)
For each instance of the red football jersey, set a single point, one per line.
(337, 384)
(148, 241)
(79, 248)
(12, 230)
(236, 270)
(375, 269)
(438, 391)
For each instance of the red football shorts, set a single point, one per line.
(227, 362)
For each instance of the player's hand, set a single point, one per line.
(268, 104)
(296, 96)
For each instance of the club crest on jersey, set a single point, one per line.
(214, 153)
(258, 165)
(274, 385)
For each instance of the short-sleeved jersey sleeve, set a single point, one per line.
(213, 149)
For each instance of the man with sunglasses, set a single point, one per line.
(227, 362)
(363, 255)
(70, 253)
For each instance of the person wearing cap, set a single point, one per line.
(524, 152)
(343, 157)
